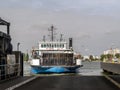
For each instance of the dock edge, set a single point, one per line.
(113, 81)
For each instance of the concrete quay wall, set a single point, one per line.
(111, 67)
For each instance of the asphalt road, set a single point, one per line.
(69, 83)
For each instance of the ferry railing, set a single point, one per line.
(57, 62)
(59, 59)
(9, 71)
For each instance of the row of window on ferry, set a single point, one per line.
(52, 45)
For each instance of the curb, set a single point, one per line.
(113, 81)
(21, 83)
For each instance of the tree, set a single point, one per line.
(109, 56)
(102, 57)
(91, 57)
(79, 56)
(26, 57)
(117, 55)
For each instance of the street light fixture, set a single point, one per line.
(18, 46)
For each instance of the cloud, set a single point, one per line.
(82, 36)
(91, 7)
(108, 32)
(87, 21)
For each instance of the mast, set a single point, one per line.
(44, 38)
(61, 37)
(52, 28)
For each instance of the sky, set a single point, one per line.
(94, 25)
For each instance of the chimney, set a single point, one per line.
(70, 43)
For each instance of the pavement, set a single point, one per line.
(62, 82)
(15, 82)
(69, 82)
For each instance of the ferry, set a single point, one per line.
(53, 56)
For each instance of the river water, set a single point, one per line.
(88, 69)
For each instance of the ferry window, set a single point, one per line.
(47, 45)
(41, 45)
(55, 45)
(35, 54)
(44, 45)
(52, 45)
(63, 45)
(60, 45)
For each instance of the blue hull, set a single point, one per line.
(53, 69)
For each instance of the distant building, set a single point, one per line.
(112, 51)
(88, 57)
(85, 57)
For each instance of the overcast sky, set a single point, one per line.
(93, 24)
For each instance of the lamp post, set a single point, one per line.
(18, 46)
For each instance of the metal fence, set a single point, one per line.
(9, 71)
